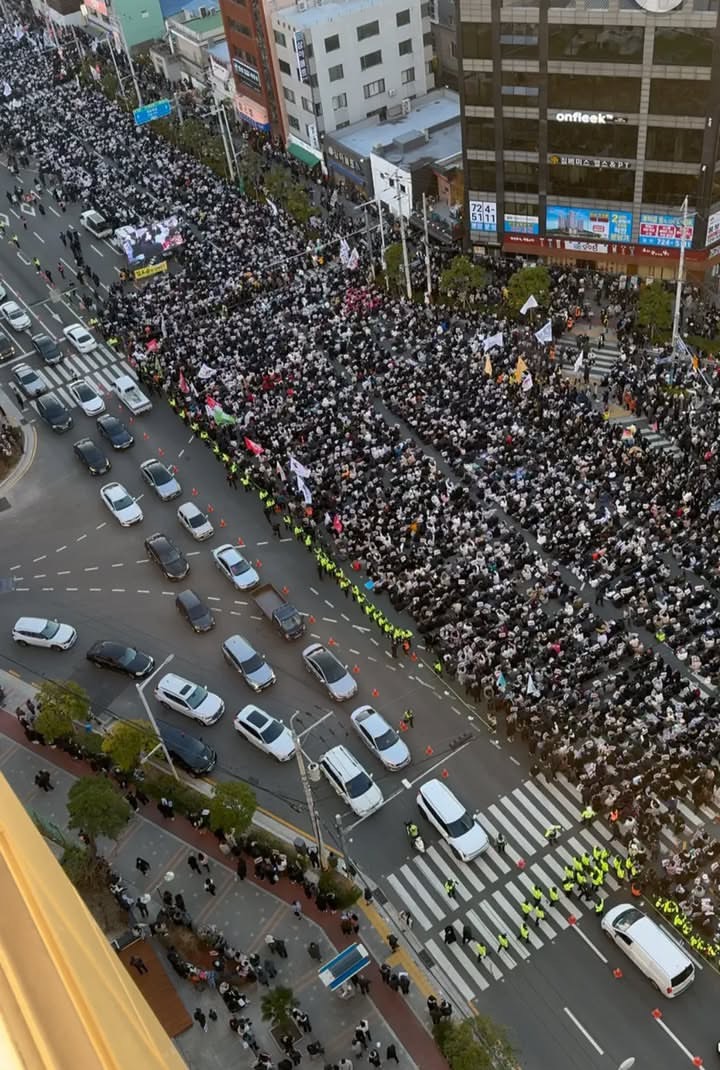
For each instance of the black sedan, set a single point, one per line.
(165, 553)
(92, 457)
(51, 409)
(121, 658)
(7, 349)
(114, 431)
(46, 348)
(190, 606)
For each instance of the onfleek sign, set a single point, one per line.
(594, 117)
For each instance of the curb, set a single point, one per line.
(29, 451)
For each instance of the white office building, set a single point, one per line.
(348, 60)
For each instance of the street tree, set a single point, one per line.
(654, 309)
(250, 164)
(59, 705)
(476, 1043)
(462, 278)
(528, 281)
(232, 806)
(278, 184)
(95, 806)
(127, 741)
(394, 266)
(298, 204)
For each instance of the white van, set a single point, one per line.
(467, 838)
(662, 961)
(351, 782)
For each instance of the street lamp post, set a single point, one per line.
(151, 716)
(403, 238)
(307, 787)
(680, 278)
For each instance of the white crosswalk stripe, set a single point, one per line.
(98, 367)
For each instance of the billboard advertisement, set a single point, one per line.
(713, 228)
(150, 244)
(663, 230)
(483, 216)
(521, 224)
(596, 223)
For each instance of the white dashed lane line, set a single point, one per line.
(141, 591)
(91, 568)
(118, 590)
(80, 538)
(65, 572)
(41, 558)
(14, 568)
(118, 564)
(60, 549)
(99, 527)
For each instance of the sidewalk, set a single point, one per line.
(244, 911)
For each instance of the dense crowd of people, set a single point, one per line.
(545, 556)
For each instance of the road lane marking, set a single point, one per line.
(47, 588)
(14, 568)
(345, 617)
(99, 526)
(95, 588)
(54, 211)
(584, 1031)
(356, 652)
(80, 538)
(71, 588)
(672, 1036)
(91, 568)
(329, 604)
(261, 543)
(237, 603)
(314, 591)
(60, 549)
(213, 598)
(39, 576)
(118, 590)
(39, 238)
(118, 564)
(41, 558)
(169, 593)
(22, 588)
(329, 620)
(95, 249)
(589, 943)
(65, 572)
(142, 560)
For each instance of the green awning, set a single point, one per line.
(304, 155)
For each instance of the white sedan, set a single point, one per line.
(15, 316)
(87, 397)
(80, 337)
(380, 737)
(233, 565)
(195, 522)
(265, 732)
(121, 504)
(37, 631)
(176, 693)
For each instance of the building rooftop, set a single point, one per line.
(431, 130)
(204, 23)
(316, 14)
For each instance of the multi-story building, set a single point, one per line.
(348, 60)
(249, 38)
(185, 53)
(586, 123)
(444, 32)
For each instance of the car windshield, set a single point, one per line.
(627, 918)
(332, 669)
(28, 376)
(359, 784)
(253, 664)
(197, 521)
(123, 503)
(196, 697)
(51, 628)
(161, 475)
(238, 567)
(271, 733)
(463, 824)
(386, 740)
(84, 392)
(127, 656)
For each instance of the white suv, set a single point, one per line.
(38, 631)
(351, 782)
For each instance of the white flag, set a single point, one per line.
(280, 473)
(206, 372)
(495, 340)
(527, 383)
(579, 362)
(532, 688)
(305, 491)
(7, 89)
(272, 206)
(344, 252)
(299, 469)
(354, 260)
(530, 303)
(544, 335)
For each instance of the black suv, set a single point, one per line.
(165, 553)
(190, 753)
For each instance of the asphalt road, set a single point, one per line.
(69, 559)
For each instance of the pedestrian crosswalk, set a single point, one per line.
(101, 368)
(490, 889)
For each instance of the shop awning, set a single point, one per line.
(303, 155)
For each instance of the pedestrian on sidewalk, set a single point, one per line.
(358, 1048)
(406, 918)
(203, 861)
(365, 1026)
(261, 977)
(281, 948)
(345, 1064)
(132, 802)
(139, 964)
(269, 968)
(314, 951)
(391, 1053)
(304, 1022)
(200, 1018)
(364, 985)
(180, 903)
(355, 923)
(385, 972)
(210, 885)
(394, 982)
(360, 1038)
(42, 780)
(142, 866)
(141, 906)
(141, 797)
(270, 941)
(166, 808)
(297, 908)
(445, 1008)
(393, 942)
(241, 868)
(404, 981)
(345, 924)
(193, 863)
(374, 1057)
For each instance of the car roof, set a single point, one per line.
(239, 646)
(188, 597)
(191, 508)
(255, 715)
(26, 368)
(346, 763)
(159, 537)
(439, 794)
(31, 623)
(52, 398)
(372, 720)
(226, 549)
(111, 646)
(108, 418)
(172, 682)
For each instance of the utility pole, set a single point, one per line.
(368, 238)
(679, 286)
(151, 716)
(378, 202)
(428, 272)
(111, 46)
(403, 240)
(307, 788)
(121, 33)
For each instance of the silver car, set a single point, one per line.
(161, 479)
(233, 565)
(31, 382)
(380, 737)
(331, 672)
(252, 666)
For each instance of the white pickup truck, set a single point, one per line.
(95, 223)
(131, 395)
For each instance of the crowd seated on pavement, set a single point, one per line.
(542, 554)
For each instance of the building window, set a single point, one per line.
(426, 11)
(428, 38)
(293, 122)
(600, 93)
(519, 177)
(480, 133)
(280, 39)
(593, 139)
(335, 74)
(318, 108)
(380, 113)
(482, 174)
(476, 41)
(520, 135)
(402, 18)
(239, 27)
(405, 47)
(478, 89)
(684, 48)
(591, 183)
(312, 81)
(306, 104)
(288, 94)
(372, 59)
(341, 126)
(374, 89)
(596, 44)
(453, 49)
(676, 96)
(332, 43)
(308, 50)
(368, 29)
(284, 67)
(519, 40)
(340, 101)
(407, 76)
(661, 187)
(674, 146)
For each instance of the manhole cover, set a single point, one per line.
(4, 504)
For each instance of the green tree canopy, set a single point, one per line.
(251, 167)
(394, 266)
(278, 183)
(298, 204)
(528, 280)
(275, 1006)
(654, 309)
(127, 741)
(232, 806)
(96, 807)
(462, 278)
(60, 703)
(476, 1043)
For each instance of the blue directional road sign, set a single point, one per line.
(148, 112)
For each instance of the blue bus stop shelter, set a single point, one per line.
(336, 974)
